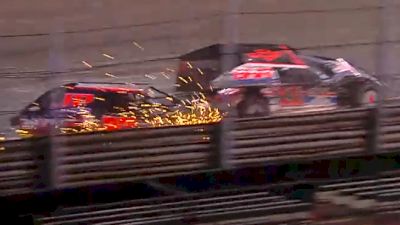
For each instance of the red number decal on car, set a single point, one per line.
(291, 96)
(77, 99)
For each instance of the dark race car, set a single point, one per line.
(83, 107)
(277, 78)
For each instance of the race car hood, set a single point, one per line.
(343, 68)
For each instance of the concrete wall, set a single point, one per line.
(38, 37)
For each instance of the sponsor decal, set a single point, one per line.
(253, 71)
(77, 99)
(321, 100)
(291, 96)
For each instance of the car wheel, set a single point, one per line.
(369, 97)
(364, 96)
(254, 107)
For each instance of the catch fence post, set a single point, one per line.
(44, 159)
(50, 172)
(230, 58)
(221, 140)
(372, 129)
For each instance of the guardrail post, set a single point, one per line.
(220, 158)
(229, 60)
(372, 128)
(48, 164)
(42, 148)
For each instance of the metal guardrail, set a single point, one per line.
(89, 159)
(131, 155)
(251, 206)
(371, 198)
(360, 200)
(257, 141)
(80, 160)
(390, 129)
(20, 166)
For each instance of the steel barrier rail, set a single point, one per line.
(89, 159)
(390, 128)
(58, 162)
(21, 165)
(266, 140)
(348, 201)
(250, 206)
(294, 119)
(376, 195)
(129, 155)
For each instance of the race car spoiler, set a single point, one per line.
(106, 83)
(216, 50)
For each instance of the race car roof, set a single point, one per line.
(131, 87)
(216, 50)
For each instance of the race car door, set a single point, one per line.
(299, 88)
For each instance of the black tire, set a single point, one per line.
(363, 95)
(253, 107)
